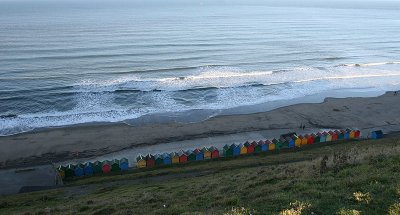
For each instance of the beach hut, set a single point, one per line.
(88, 168)
(334, 136)
(174, 157)
(340, 134)
(284, 143)
(278, 144)
(61, 171)
(124, 164)
(258, 147)
(377, 134)
(158, 159)
(141, 161)
(69, 171)
(236, 149)
(264, 146)
(328, 136)
(243, 149)
(228, 150)
(106, 166)
(346, 134)
(166, 159)
(357, 134)
(97, 165)
(115, 166)
(352, 134)
(150, 161)
(199, 154)
(322, 138)
(191, 155)
(78, 171)
(297, 140)
(183, 158)
(214, 152)
(291, 142)
(310, 139)
(250, 148)
(207, 153)
(303, 140)
(271, 145)
(316, 138)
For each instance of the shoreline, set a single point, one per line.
(90, 141)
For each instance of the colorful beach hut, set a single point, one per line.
(106, 166)
(78, 171)
(352, 134)
(124, 164)
(228, 150)
(291, 142)
(150, 160)
(243, 149)
(115, 166)
(297, 140)
(250, 148)
(271, 145)
(191, 155)
(377, 134)
(69, 171)
(322, 138)
(264, 146)
(340, 134)
(158, 159)
(316, 138)
(167, 160)
(333, 135)
(346, 134)
(214, 152)
(97, 167)
(303, 140)
(199, 154)
(206, 153)
(357, 134)
(278, 144)
(257, 147)
(174, 157)
(141, 161)
(328, 136)
(236, 149)
(183, 158)
(61, 171)
(88, 168)
(310, 139)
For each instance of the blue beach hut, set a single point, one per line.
(236, 150)
(347, 134)
(79, 170)
(264, 146)
(88, 169)
(124, 164)
(167, 159)
(290, 142)
(199, 154)
(377, 134)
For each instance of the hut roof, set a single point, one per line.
(254, 143)
(139, 157)
(166, 155)
(149, 156)
(247, 143)
(261, 142)
(288, 134)
(123, 160)
(268, 142)
(205, 149)
(213, 148)
(182, 153)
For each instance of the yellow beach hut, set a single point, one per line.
(328, 136)
(140, 162)
(303, 140)
(206, 153)
(174, 158)
(271, 145)
(243, 149)
(352, 134)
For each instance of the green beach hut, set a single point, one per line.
(97, 167)
(115, 166)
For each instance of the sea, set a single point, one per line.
(65, 63)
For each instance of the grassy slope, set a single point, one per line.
(324, 176)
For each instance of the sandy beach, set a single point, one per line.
(88, 141)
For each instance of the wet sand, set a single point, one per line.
(88, 141)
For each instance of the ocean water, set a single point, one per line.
(69, 63)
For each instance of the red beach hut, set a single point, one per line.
(106, 166)
(250, 147)
(357, 134)
(183, 158)
(334, 135)
(310, 139)
(150, 161)
(214, 152)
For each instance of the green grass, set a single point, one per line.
(354, 177)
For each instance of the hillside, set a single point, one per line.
(332, 178)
